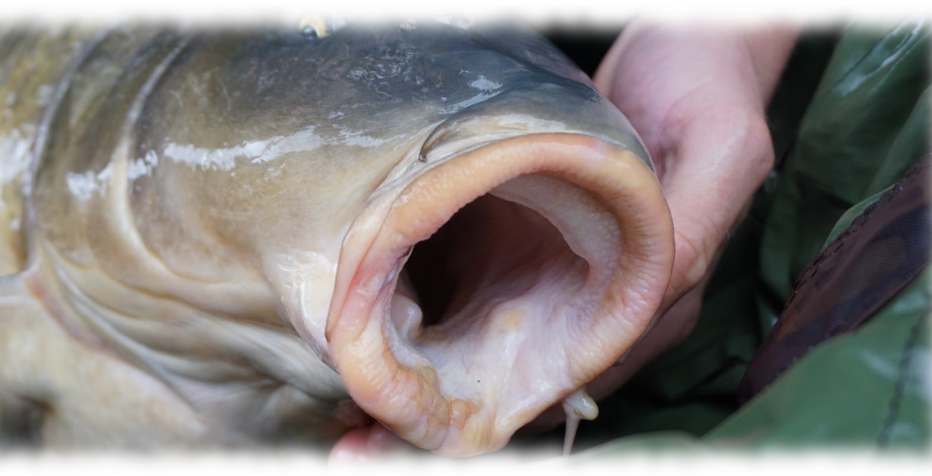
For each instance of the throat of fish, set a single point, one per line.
(496, 285)
(577, 406)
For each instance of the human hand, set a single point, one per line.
(697, 97)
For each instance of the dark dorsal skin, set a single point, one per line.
(191, 196)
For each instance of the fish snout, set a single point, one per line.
(498, 283)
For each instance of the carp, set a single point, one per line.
(267, 236)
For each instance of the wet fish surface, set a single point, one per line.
(265, 236)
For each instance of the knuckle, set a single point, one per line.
(692, 261)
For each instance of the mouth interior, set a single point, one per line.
(491, 251)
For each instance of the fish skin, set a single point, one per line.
(31, 65)
(185, 188)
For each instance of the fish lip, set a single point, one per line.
(577, 158)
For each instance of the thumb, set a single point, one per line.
(367, 444)
(722, 157)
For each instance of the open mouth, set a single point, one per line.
(497, 284)
(491, 251)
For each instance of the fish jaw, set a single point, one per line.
(532, 320)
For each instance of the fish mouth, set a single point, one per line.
(498, 283)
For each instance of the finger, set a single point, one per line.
(366, 444)
(723, 156)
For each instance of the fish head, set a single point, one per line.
(452, 219)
